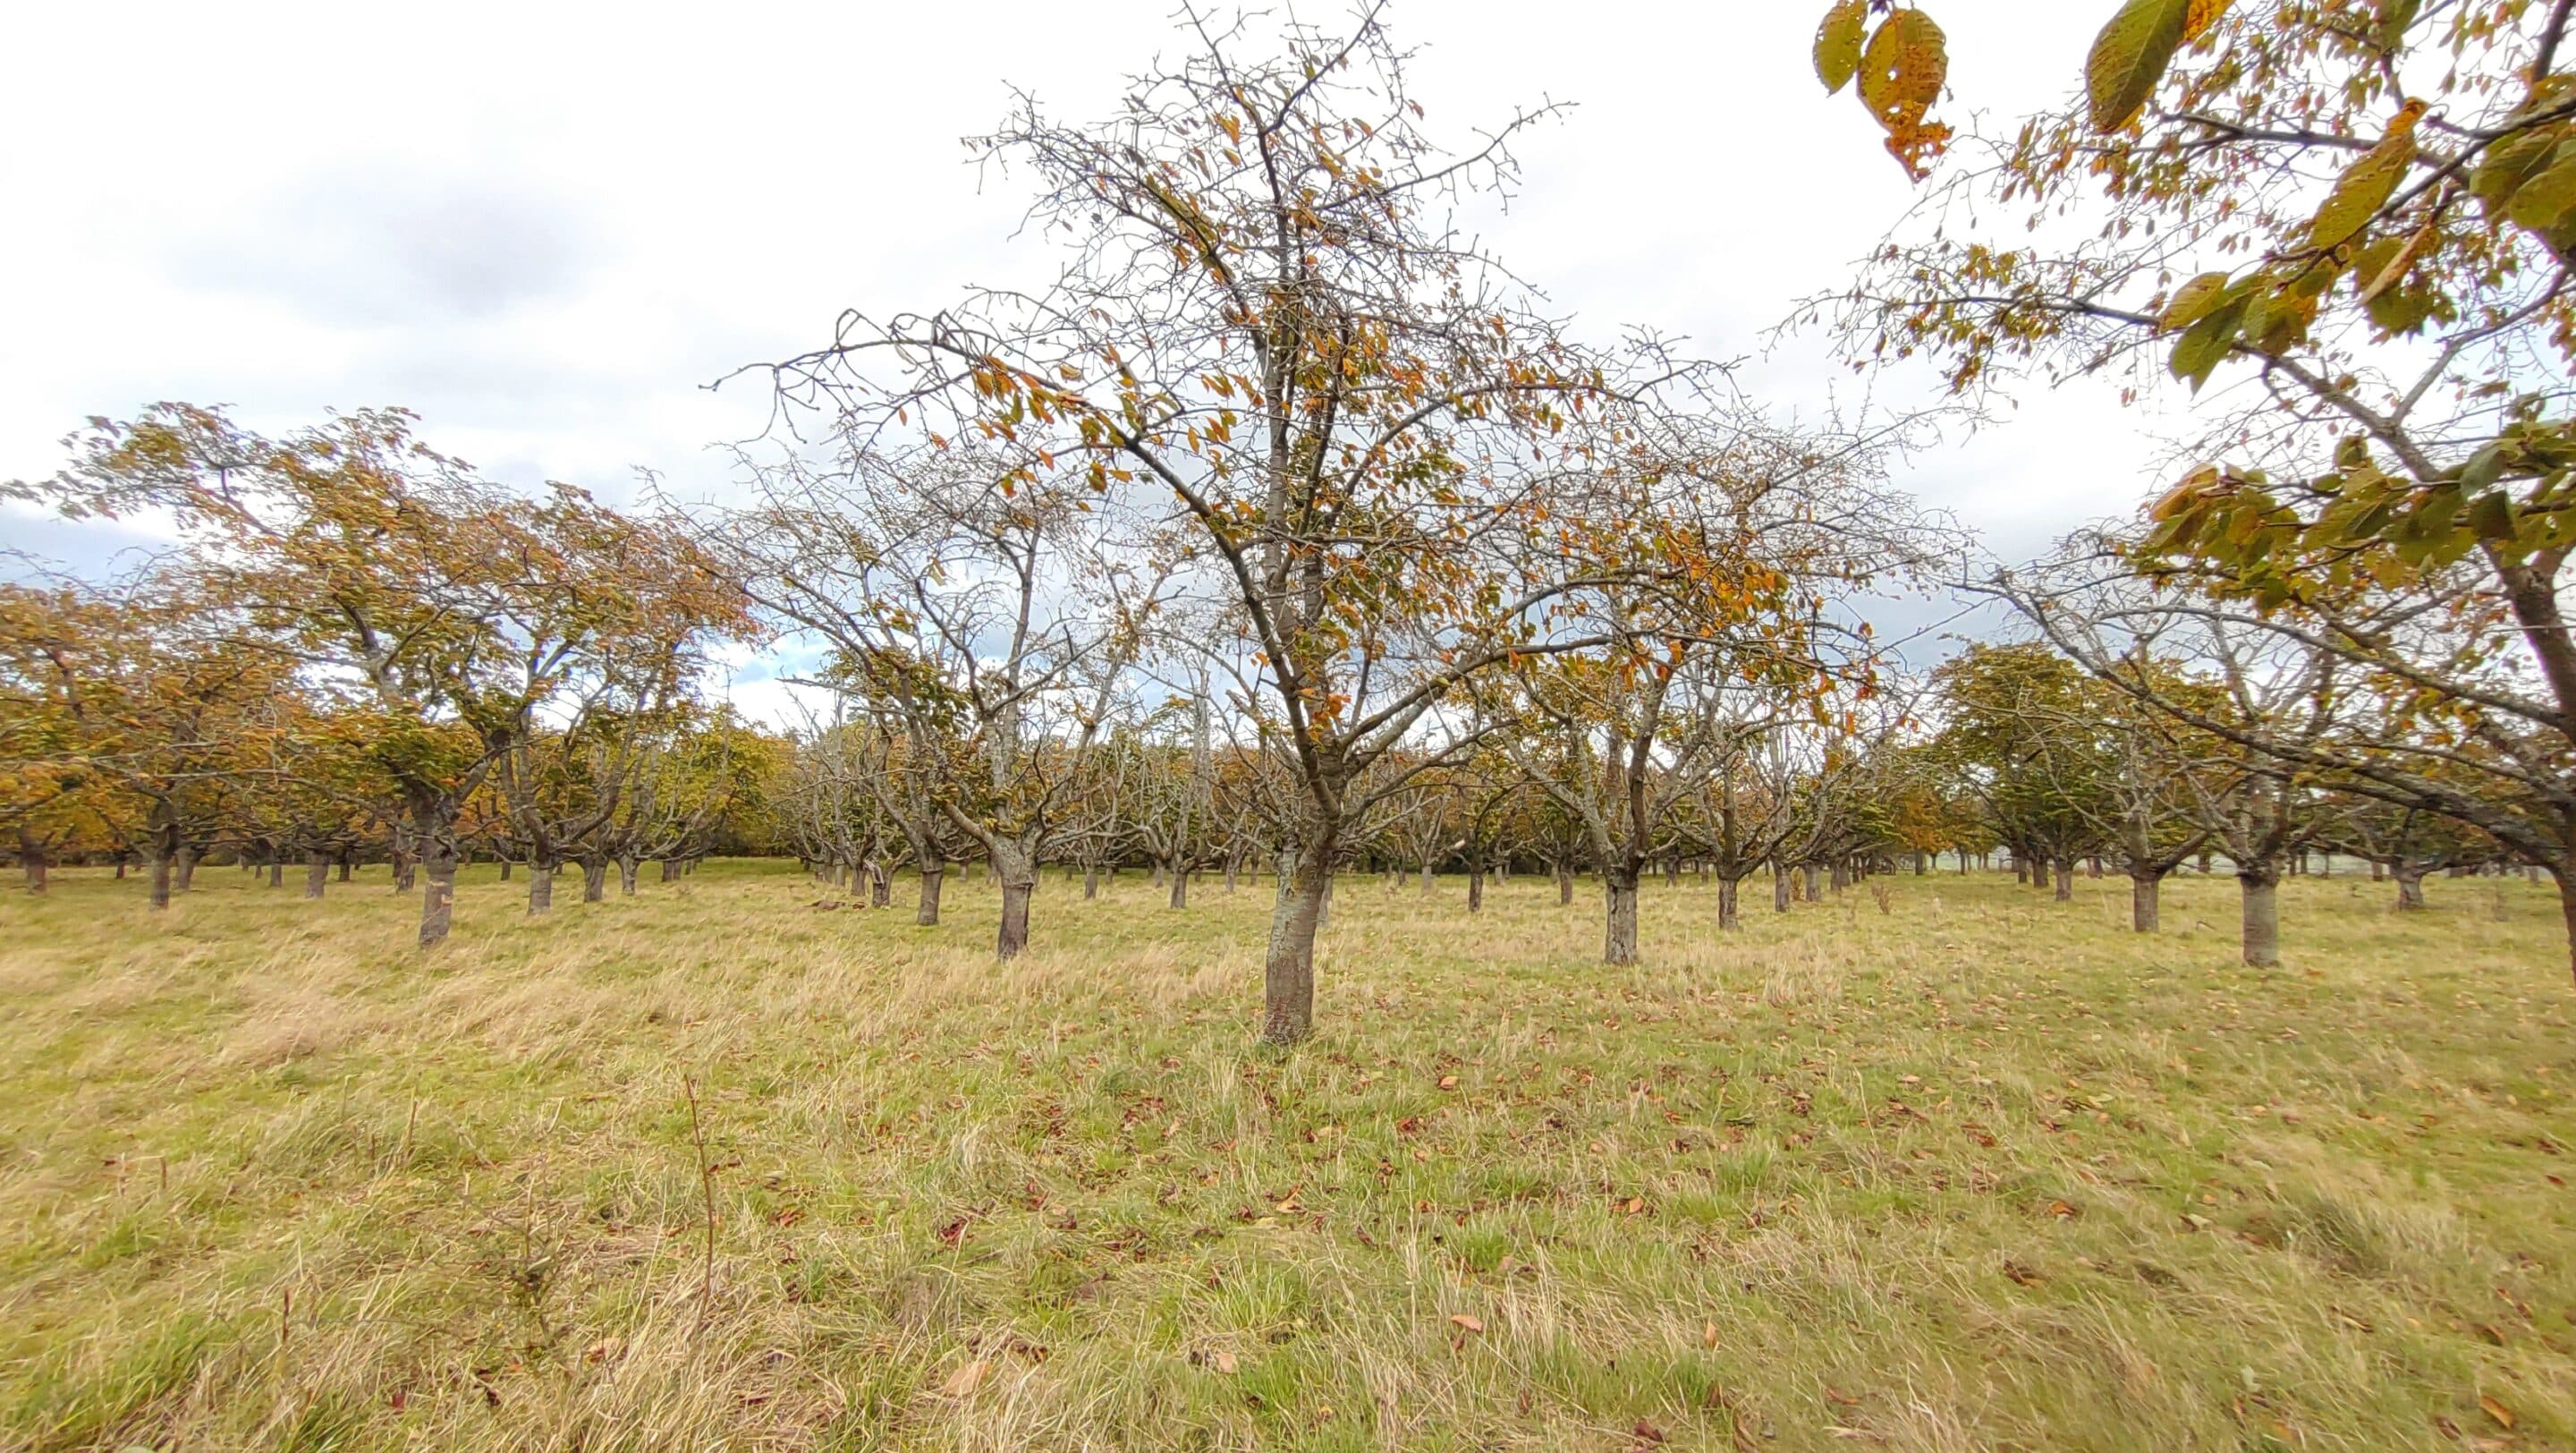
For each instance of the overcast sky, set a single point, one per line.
(546, 228)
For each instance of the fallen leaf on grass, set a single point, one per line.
(965, 1380)
(2060, 1210)
(1225, 1363)
(2498, 1411)
(1472, 1324)
(1708, 1335)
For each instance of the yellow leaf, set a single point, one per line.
(1472, 1324)
(2129, 58)
(1904, 69)
(2496, 1410)
(2204, 14)
(965, 1380)
(2367, 184)
(2193, 301)
(1838, 44)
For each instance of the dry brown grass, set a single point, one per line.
(1981, 1171)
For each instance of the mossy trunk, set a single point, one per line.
(1288, 966)
(2261, 887)
(2410, 890)
(317, 874)
(2146, 900)
(541, 887)
(1730, 897)
(438, 900)
(933, 874)
(1017, 873)
(594, 880)
(1619, 928)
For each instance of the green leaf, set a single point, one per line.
(1838, 44)
(2484, 467)
(2394, 18)
(2512, 162)
(2491, 515)
(2129, 58)
(2403, 311)
(2544, 202)
(2205, 344)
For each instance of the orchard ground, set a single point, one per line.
(1962, 1169)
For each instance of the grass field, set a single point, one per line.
(1975, 1170)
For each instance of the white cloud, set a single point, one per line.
(547, 227)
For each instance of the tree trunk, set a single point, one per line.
(594, 880)
(880, 884)
(2065, 880)
(1475, 888)
(626, 870)
(507, 867)
(1233, 872)
(2262, 890)
(1815, 884)
(1091, 880)
(1564, 884)
(1780, 890)
(1729, 900)
(2146, 894)
(317, 873)
(1841, 878)
(1288, 968)
(2565, 874)
(32, 858)
(2410, 890)
(1619, 932)
(344, 868)
(670, 870)
(438, 903)
(1180, 887)
(1426, 877)
(933, 874)
(187, 868)
(1017, 872)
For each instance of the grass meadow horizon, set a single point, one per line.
(1940, 1164)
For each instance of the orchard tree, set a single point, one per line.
(1265, 339)
(384, 570)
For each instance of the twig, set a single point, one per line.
(707, 1190)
